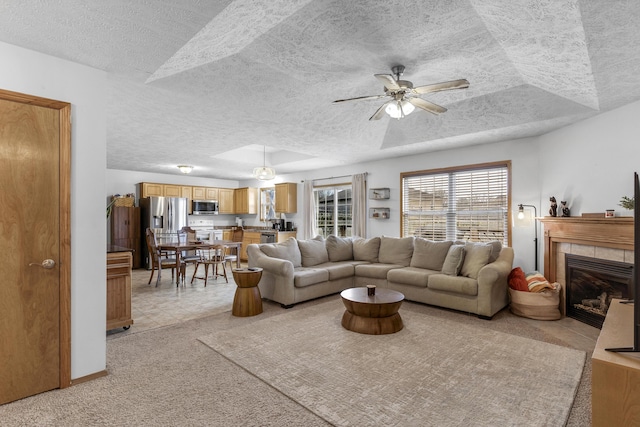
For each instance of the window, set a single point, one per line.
(268, 204)
(333, 210)
(464, 203)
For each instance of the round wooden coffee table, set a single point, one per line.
(374, 315)
(247, 300)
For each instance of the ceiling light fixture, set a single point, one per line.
(399, 109)
(185, 168)
(264, 173)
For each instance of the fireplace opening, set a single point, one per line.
(591, 285)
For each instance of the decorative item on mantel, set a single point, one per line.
(609, 213)
(627, 202)
(564, 209)
(553, 210)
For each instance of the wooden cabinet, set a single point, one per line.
(615, 376)
(150, 189)
(246, 200)
(125, 231)
(206, 193)
(172, 190)
(119, 290)
(248, 238)
(227, 234)
(284, 235)
(226, 201)
(287, 197)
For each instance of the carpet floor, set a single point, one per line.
(166, 377)
(434, 372)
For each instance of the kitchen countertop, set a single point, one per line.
(116, 248)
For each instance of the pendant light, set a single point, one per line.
(264, 173)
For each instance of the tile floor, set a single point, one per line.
(168, 304)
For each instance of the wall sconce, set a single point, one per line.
(185, 168)
(521, 216)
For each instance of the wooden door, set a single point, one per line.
(34, 300)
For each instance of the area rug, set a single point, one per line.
(434, 372)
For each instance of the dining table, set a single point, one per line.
(179, 247)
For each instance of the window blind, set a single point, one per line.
(467, 203)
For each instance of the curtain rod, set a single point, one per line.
(334, 177)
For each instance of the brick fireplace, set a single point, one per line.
(592, 241)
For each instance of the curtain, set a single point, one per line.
(359, 204)
(309, 211)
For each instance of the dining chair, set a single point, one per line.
(160, 260)
(231, 253)
(188, 235)
(212, 256)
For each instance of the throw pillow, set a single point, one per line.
(517, 280)
(366, 249)
(496, 247)
(286, 250)
(313, 251)
(476, 256)
(396, 250)
(453, 261)
(429, 254)
(339, 248)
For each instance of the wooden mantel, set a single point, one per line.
(614, 232)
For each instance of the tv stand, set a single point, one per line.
(615, 395)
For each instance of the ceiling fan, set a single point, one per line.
(405, 97)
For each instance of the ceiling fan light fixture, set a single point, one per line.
(399, 109)
(185, 168)
(264, 173)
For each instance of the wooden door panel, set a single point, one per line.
(30, 349)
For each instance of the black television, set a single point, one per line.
(636, 271)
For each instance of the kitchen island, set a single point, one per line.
(119, 263)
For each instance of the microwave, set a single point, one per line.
(204, 207)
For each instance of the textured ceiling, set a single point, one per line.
(209, 83)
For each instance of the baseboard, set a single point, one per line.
(89, 377)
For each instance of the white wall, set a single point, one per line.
(85, 88)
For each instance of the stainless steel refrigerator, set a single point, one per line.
(165, 216)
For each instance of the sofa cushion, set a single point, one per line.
(453, 261)
(303, 276)
(339, 248)
(286, 250)
(375, 271)
(366, 249)
(410, 276)
(496, 247)
(313, 251)
(454, 284)
(396, 250)
(476, 256)
(429, 254)
(338, 270)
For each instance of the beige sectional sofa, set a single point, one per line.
(470, 277)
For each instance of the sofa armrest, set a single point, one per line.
(276, 282)
(493, 294)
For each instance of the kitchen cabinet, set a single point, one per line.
(227, 234)
(226, 203)
(206, 193)
(119, 290)
(125, 231)
(284, 235)
(247, 238)
(187, 192)
(172, 190)
(246, 200)
(150, 189)
(287, 197)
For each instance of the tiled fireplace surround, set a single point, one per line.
(604, 238)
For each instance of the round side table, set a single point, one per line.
(247, 300)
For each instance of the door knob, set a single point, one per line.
(47, 263)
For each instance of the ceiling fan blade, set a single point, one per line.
(388, 81)
(426, 105)
(360, 98)
(437, 87)
(380, 111)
